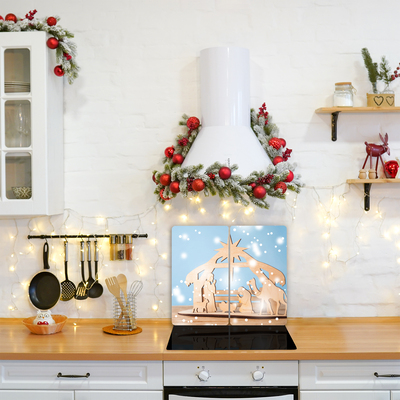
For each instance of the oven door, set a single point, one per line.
(227, 393)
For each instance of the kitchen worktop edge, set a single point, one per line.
(316, 339)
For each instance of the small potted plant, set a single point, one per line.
(377, 73)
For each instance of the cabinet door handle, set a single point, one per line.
(60, 375)
(386, 376)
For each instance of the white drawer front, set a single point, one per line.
(123, 375)
(234, 373)
(35, 395)
(345, 395)
(118, 395)
(349, 375)
(395, 395)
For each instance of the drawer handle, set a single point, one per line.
(386, 376)
(60, 375)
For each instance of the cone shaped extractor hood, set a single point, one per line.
(226, 135)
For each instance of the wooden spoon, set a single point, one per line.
(123, 284)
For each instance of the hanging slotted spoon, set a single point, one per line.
(68, 287)
(81, 291)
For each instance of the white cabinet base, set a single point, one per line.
(345, 395)
(35, 395)
(118, 395)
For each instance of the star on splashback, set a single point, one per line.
(231, 250)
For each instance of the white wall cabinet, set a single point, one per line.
(345, 380)
(31, 127)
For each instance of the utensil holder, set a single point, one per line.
(125, 317)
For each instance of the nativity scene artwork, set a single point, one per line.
(229, 275)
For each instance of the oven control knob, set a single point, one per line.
(204, 375)
(257, 375)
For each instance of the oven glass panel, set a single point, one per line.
(231, 393)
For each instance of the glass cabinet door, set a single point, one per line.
(17, 123)
(16, 130)
(18, 176)
(17, 67)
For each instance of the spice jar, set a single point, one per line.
(113, 247)
(343, 95)
(120, 247)
(128, 247)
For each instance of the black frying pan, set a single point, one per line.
(45, 288)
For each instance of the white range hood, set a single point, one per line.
(226, 135)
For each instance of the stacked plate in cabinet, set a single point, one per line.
(16, 87)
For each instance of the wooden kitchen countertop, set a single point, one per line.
(315, 338)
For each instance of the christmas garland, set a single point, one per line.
(218, 178)
(65, 48)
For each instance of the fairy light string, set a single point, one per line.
(329, 213)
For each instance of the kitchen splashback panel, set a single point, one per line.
(229, 275)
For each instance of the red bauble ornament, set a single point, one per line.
(391, 168)
(177, 159)
(1, 18)
(154, 179)
(51, 21)
(174, 187)
(67, 56)
(283, 142)
(169, 151)
(52, 43)
(164, 198)
(253, 185)
(193, 123)
(165, 179)
(289, 177)
(275, 143)
(11, 17)
(225, 173)
(198, 185)
(259, 192)
(58, 70)
(281, 185)
(277, 160)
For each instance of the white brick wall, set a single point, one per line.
(139, 74)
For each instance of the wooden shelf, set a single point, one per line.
(367, 187)
(379, 180)
(335, 111)
(330, 110)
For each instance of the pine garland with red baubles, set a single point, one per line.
(220, 179)
(60, 40)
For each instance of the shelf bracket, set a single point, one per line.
(335, 117)
(367, 190)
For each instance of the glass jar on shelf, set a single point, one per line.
(343, 95)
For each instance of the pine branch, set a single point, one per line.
(372, 67)
(384, 71)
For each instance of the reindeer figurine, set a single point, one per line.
(376, 150)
